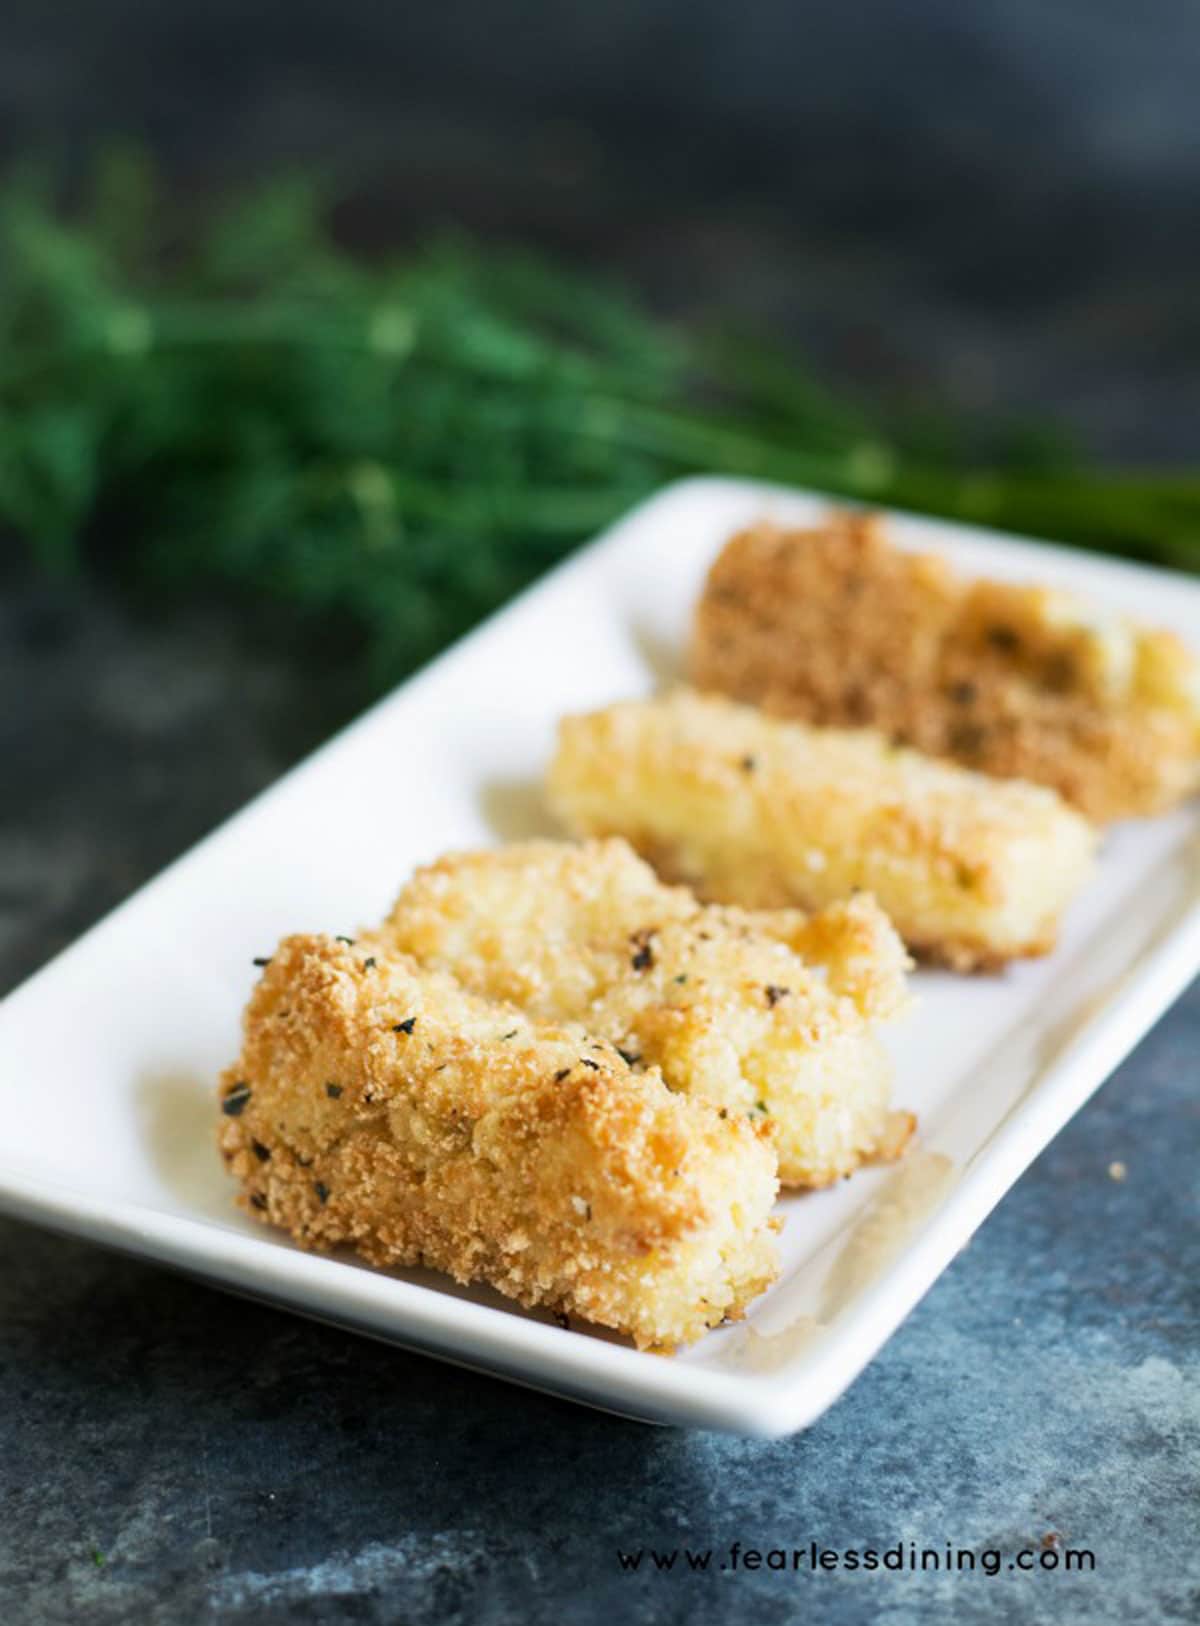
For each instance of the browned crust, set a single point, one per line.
(489, 1147)
(769, 1013)
(894, 1141)
(965, 955)
(770, 814)
(972, 954)
(835, 626)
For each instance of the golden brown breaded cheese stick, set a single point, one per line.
(771, 1014)
(767, 814)
(835, 626)
(380, 1105)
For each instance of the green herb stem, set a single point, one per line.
(406, 443)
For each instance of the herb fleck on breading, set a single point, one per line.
(966, 739)
(1003, 638)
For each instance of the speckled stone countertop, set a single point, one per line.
(173, 1455)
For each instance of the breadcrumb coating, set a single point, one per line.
(750, 810)
(835, 626)
(771, 1014)
(380, 1105)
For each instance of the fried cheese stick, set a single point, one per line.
(770, 1014)
(380, 1105)
(836, 626)
(750, 810)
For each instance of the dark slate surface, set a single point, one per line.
(993, 204)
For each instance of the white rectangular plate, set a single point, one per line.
(108, 1056)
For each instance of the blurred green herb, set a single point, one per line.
(404, 444)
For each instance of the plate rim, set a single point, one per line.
(577, 1365)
